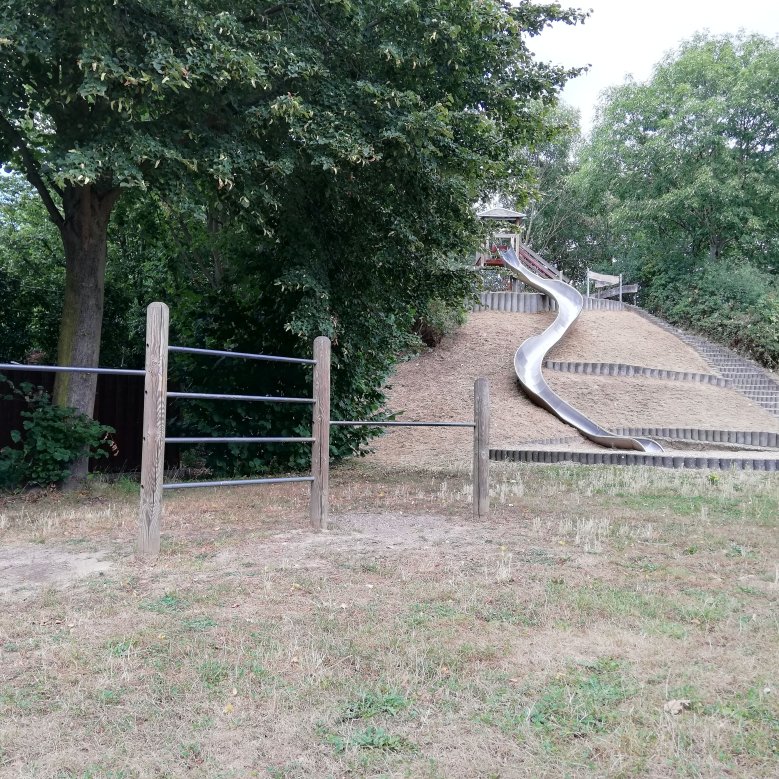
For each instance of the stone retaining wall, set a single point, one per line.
(612, 457)
(535, 303)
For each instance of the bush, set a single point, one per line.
(736, 305)
(439, 319)
(52, 439)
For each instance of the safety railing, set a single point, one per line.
(155, 439)
(156, 396)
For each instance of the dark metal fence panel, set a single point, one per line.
(118, 403)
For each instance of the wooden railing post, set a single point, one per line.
(481, 448)
(153, 452)
(320, 454)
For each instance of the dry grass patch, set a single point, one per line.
(410, 641)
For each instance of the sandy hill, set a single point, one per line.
(438, 386)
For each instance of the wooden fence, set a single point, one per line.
(153, 380)
(154, 438)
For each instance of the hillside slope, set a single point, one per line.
(438, 386)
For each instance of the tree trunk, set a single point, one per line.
(85, 239)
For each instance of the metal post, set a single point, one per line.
(620, 287)
(320, 453)
(481, 448)
(153, 451)
(588, 282)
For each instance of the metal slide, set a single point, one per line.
(529, 356)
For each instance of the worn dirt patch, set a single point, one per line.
(27, 568)
(355, 533)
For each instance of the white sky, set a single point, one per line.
(624, 37)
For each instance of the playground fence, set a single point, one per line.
(154, 439)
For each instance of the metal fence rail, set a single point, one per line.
(12, 366)
(238, 440)
(242, 355)
(368, 423)
(186, 485)
(253, 398)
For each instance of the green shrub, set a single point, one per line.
(439, 319)
(736, 305)
(51, 440)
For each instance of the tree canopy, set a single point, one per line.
(314, 165)
(690, 157)
(679, 183)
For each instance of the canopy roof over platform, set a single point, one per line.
(502, 214)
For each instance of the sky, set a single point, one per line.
(624, 37)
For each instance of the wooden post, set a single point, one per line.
(481, 448)
(153, 452)
(320, 454)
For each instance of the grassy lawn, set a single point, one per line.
(602, 623)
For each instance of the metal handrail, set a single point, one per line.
(184, 485)
(12, 366)
(258, 398)
(243, 355)
(239, 440)
(368, 423)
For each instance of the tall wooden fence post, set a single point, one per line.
(481, 448)
(153, 452)
(320, 454)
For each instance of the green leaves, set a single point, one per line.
(53, 438)
(690, 152)
(296, 173)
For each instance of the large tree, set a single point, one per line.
(247, 108)
(680, 183)
(687, 162)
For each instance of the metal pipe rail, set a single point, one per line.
(12, 366)
(253, 398)
(242, 355)
(239, 440)
(368, 423)
(187, 485)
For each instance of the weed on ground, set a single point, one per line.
(601, 623)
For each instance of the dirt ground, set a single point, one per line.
(28, 567)
(622, 336)
(438, 386)
(603, 623)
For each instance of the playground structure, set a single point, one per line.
(609, 286)
(529, 358)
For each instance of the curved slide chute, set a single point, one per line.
(529, 356)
